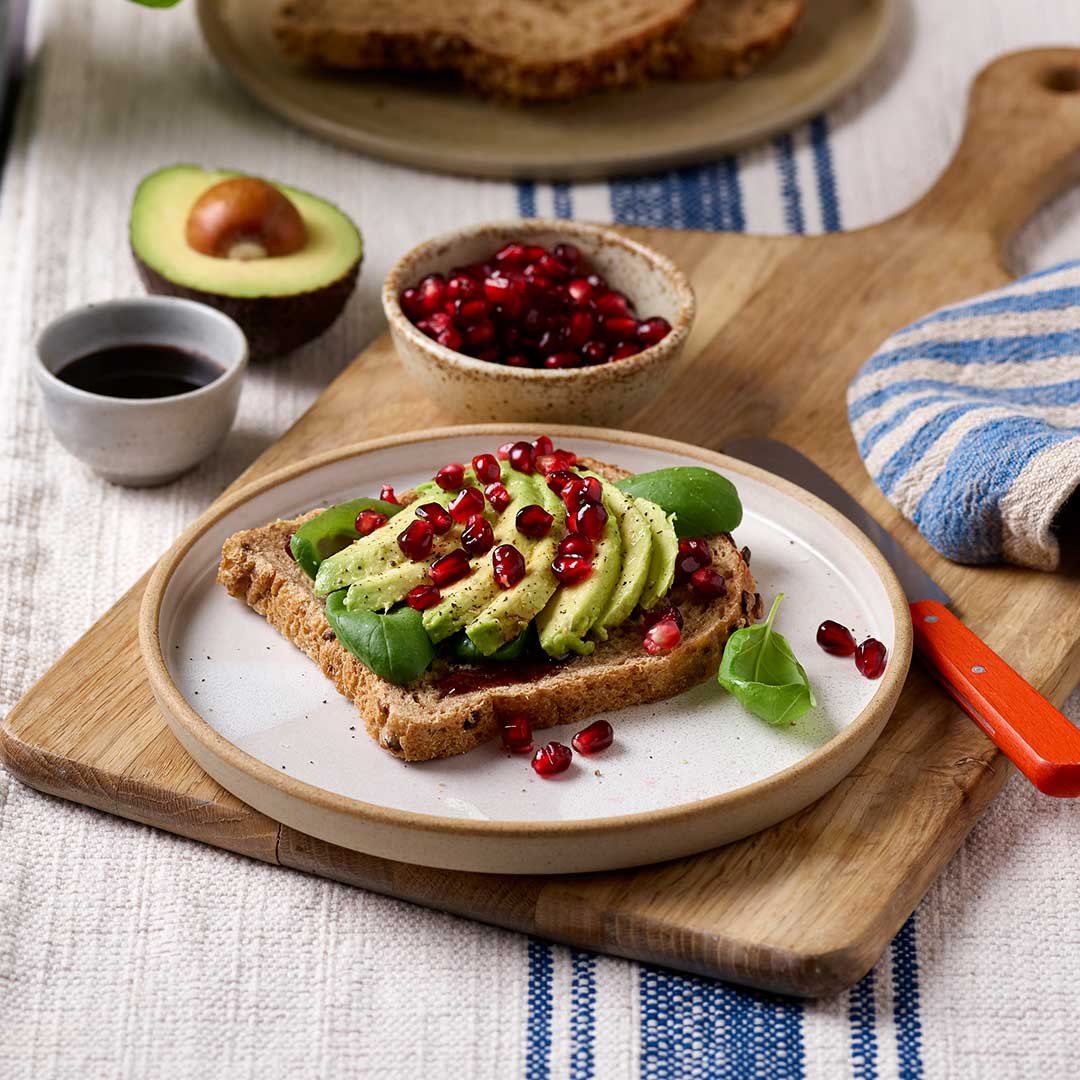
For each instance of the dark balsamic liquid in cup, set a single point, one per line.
(140, 371)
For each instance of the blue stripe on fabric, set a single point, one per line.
(862, 1016)
(789, 183)
(563, 200)
(912, 451)
(1051, 300)
(538, 1021)
(691, 1027)
(960, 513)
(905, 981)
(526, 198)
(582, 1015)
(826, 177)
(703, 197)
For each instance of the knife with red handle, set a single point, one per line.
(1038, 739)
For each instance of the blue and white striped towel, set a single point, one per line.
(969, 420)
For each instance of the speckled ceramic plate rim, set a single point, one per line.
(188, 724)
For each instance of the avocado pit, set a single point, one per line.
(245, 218)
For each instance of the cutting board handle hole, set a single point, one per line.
(1062, 80)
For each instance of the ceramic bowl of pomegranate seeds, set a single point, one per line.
(538, 320)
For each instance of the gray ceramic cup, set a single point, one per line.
(139, 442)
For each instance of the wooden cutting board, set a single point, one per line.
(808, 906)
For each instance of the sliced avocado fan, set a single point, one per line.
(637, 542)
(665, 550)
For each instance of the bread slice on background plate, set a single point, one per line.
(421, 721)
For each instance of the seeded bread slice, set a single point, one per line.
(419, 722)
(518, 49)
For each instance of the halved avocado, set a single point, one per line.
(280, 301)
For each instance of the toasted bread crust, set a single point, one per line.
(418, 722)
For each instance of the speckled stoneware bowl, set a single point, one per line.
(482, 390)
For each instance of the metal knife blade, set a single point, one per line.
(786, 461)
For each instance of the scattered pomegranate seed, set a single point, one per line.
(486, 467)
(367, 521)
(516, 733)
(552, 759)
(386, 494)
(451, 477)
(590, 520)
(566, 457)
(870, 658)
(693, 556)
(662, 637)
(576, 544)
(591, 491)
(416, 538)
(542, 445)
(423, 597)
(599, 735)
(466, 503)
(559, 479)
(508, 564)
(478, 537)
(448, 568)
(533, 521)
(521, 457)
(664, 611)
(503, 453)
(835, 639)
(651, 331)
(707, 583)
(498, 496)
(437, 516)
(570, 569)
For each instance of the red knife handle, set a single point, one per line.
(1036, 738)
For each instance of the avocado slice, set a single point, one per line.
(665, 550)
(463, 601)
(332, 530)
(513, 609)
(574, 609)
(637, 541)
(279, 301)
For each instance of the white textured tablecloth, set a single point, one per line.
(128, 952)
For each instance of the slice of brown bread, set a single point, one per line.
(726, 38)
(422, 721)
(518, 49)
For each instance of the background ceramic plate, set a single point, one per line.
(436, 125)
(684, 774)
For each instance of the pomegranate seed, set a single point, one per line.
(554, 268)
(552, 759)
(449, 339)
(511, 256)
(592, 490)
(448, 568)
(466, 503)
(599, 735)
(451, 477)
(707, 583)
(440, 322)
(533, 323)
(533, 521)
(835, 639)
(511, 307)
(650, 331)
(619, 329)
(470, 312)
(699, 547)
(521, 457)
(558, 479)
(590, 520)
(386, 494)
(508, 564)
(597, 282)
(438, 517)
(570, 569)
(534, 253)
(423, 597)
(411, 304)
(503, 453)
(545, 464)
(486, 467)
(576, 544)
(693, 555)
(870, 658)
(626, 349)
(542, 445)
(579, 291)
(432, 293)
(567, 457)
(516, 733)
(568, 254)
(560, 360)
(517, 360)
(478, 537)
(460, 286)
(662, 637)
(613, 305)
(498, 290)
(579, 328)
(549, 341)
(481, 334)
(664, 612)
(367, 521)
(571, 494)
(415, 540)
(498, 496)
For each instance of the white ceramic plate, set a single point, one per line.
(683, 775)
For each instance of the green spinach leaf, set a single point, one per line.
(332, 530)
(760, 669)
(395, 646)
(704, 502)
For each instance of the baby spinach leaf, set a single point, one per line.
(704, 502)
(465, 650)
(332, 530)
(395, 646)
(760, 669)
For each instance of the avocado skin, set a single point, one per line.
(273, 325)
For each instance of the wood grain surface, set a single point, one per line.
(805, 907)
